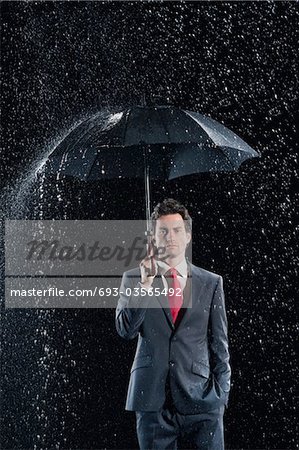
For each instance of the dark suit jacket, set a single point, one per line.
(192, 355)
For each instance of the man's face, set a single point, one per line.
(171, 235)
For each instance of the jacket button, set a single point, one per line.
(171, 363)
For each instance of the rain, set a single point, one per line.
(64, 372)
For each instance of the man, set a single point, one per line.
(180, 378)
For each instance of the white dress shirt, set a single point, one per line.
(181, 269)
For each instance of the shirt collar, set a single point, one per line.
(182, 268)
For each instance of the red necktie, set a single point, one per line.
(175, 297)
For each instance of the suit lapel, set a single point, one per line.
(195, 290)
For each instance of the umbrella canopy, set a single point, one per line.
(175, 143)
(150, 142)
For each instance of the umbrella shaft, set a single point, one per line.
(147, 186)
(148, 200)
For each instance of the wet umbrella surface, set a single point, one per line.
(179, 143)
(160, 143)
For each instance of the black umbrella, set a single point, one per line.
(157, 142)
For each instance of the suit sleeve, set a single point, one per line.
(131, 308)
(219, 339)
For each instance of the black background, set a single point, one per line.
(65, 372)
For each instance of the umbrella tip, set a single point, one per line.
(143, 100)
(155, 100)
(147, 100)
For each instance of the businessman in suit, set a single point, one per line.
(180, 377)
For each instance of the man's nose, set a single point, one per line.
(170, 235)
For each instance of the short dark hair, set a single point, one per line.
(171, 206)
